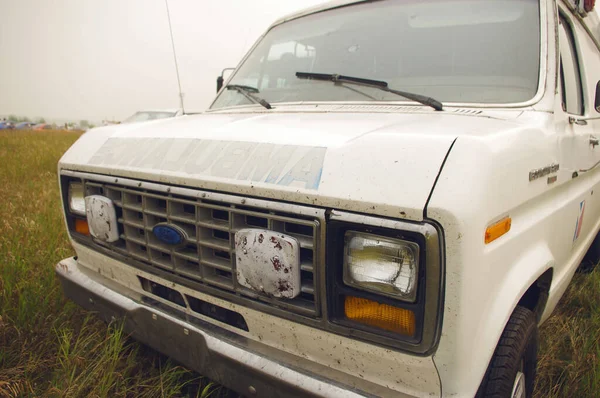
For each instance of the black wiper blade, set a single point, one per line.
(381, 85)
(248, 92)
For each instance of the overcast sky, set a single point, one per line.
(86, 59)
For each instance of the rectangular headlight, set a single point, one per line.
(76, 198)
(381, 265)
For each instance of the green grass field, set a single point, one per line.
(49, 347)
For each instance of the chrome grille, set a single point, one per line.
(208, 256)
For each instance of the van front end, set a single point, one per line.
(325, 228)
(288, 324)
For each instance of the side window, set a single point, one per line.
(570, 75)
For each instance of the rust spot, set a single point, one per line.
(275, 241)
(261, 237)
(283, 286)
(276, 263)
(286, 270)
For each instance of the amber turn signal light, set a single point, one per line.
(498, 229)
(382, 316)
(81, 227)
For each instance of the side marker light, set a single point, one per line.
(498, 229)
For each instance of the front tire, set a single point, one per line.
(511, 372)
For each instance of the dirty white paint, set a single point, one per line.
(102, 218)
(263, 162)
(375, 163)
(268, 262)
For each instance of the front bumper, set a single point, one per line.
(225, 357)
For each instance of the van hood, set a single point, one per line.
(374, 163)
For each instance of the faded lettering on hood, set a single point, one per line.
(289, 165)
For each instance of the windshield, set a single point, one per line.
(477, 51)
(146, 115)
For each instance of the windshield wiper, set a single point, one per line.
(381, 85)
(247, 92)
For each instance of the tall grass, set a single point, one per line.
(569, 358)
(50, 347)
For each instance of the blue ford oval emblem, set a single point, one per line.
(169, 234)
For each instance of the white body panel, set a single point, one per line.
(463, 169)
(360, 147)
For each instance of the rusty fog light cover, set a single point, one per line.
(268, 262)
(102, 218)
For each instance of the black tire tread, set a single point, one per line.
(518, 334)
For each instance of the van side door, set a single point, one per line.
(578, 67)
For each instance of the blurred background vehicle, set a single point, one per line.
(24, 125)
(42, 126)
(5, 125)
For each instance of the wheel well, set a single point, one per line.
(536, 297)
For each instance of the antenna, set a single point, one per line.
(175, 58)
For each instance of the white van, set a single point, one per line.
(386, 198)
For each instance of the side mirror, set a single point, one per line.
(597, 101)
(221, 78)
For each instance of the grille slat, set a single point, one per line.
(215, 263)
(208, 255)
(222, 226)
(186, 256)
(215, 244)
(131, 223)
(307, 288)
(308, 267)
(134, 240)
(305, 241)
(156, 213)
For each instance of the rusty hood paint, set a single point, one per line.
(383, 164)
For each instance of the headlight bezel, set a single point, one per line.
(427, 307)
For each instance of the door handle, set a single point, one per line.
(577, 121)
(594, 141)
